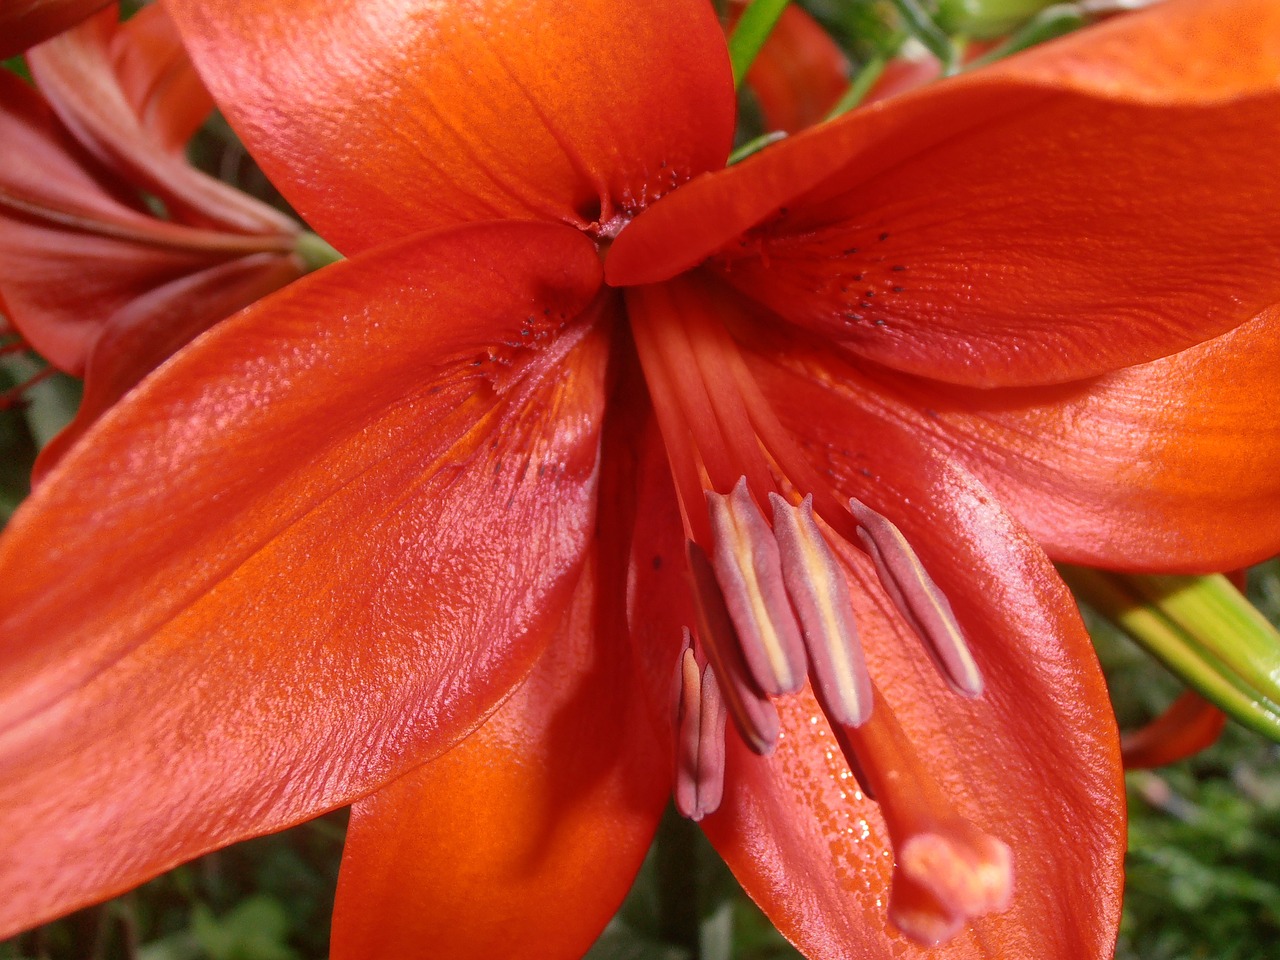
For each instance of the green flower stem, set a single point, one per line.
(315, 251)
(924, 29)
(859, 87)
(679, 906)
(749, 36)
(1199, 633)
(1217, 616)
(1048, 24)
(755, 145)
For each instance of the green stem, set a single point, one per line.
(749, 36)
(678, 868)
(1048, 24)
(859, 87)
(1166, 637)
(315, 251)
(923, 28)
(755, 145)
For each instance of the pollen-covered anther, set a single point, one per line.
(700, 749)
(749, 571)
(945, 879)
(820, 596)
(753, 714)
(918, 599)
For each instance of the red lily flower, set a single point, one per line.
(354, 517)
(93, 279)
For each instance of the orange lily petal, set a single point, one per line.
(800, 74)
(1058, 256)
(659, 601)
(80, 74)
(24, 23)
(523, 840)
(145, 333)
(1170, 466)
(425, 116)
(1191, 724)
(345, 522)
(1034, 761)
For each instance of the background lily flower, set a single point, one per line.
(24, 23)
(93, 278)
(358, 514)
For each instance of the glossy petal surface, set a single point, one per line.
(1172, 465)
(387, 117)
(344, 524)
(522, 840)
(1034, 761)
(1047, 219)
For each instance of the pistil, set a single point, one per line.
(947, 871)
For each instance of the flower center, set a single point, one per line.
(773, 609)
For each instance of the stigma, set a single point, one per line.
(771, 550)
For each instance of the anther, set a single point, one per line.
(924, 607)
(749, 571)
(753, 714)
(700, 751)
(820, 595)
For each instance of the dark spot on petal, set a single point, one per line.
(657, 561)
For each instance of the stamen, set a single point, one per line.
(818, 591)
(947, 871)
(918, 599)
(748, 569)
(753, 714)
(700, 752)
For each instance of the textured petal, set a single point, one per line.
(146, 332)
(308, 554)
(24, 23)
(1033, 762)
(1171, 466)
(387, 117)
(522, 840)
(106, 81)
(1050, 218)
(800, 73)
(71, 253)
